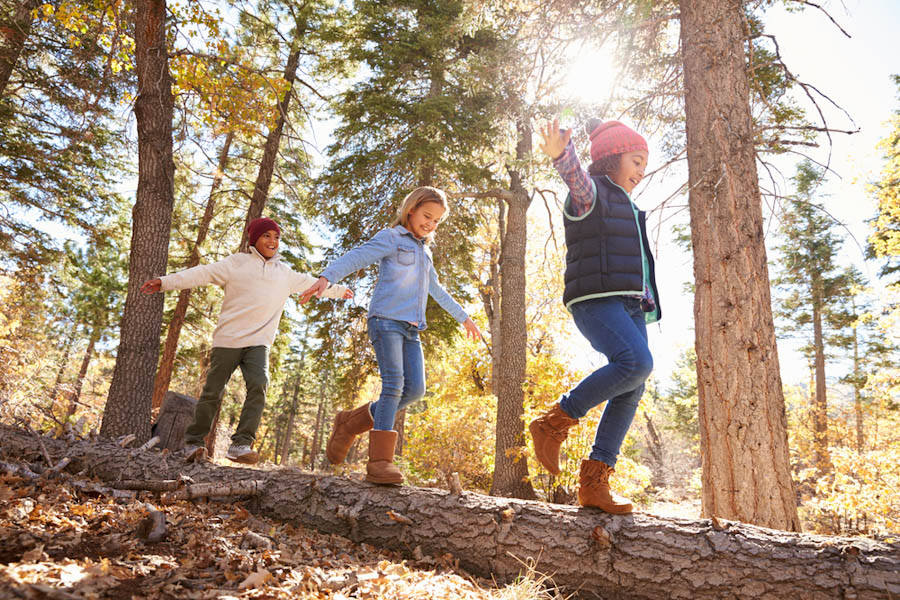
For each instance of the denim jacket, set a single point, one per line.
(406, 276)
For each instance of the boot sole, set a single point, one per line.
(246, 459)
(621, 511)
(384, 481)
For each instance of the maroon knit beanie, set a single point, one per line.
(613, 137)
(259, 226)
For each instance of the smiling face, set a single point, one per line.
(631, 170)
(267, 243)
(425, 218)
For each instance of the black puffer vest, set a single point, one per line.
(603, 256)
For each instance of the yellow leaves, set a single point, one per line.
(82, 510)
(228, 89)
(860, 493)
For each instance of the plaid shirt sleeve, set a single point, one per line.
(580, 185)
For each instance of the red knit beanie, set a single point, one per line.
(259, 226)
(613, 137)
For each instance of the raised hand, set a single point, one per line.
(554, 141)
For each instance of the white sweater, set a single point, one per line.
(255, 292)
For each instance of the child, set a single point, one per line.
(610, 289)
(257, 284)
(406, 277)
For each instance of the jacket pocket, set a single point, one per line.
(406, 256)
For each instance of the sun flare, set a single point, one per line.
(590, 75)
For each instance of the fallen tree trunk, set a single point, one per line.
(584, 550)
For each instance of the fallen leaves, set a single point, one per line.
(60, 540)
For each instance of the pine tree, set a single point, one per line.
(815, 288)
(61, 82)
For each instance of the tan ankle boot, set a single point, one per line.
(347, 425)
(549, 431)
(593, 489)
(381, 468)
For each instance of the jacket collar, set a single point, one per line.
(404, 231)
(275, 258)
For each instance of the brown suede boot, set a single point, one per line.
(549, 431)
(381, 468)
(347, 425)
(593, 489)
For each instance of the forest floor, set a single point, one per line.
(60, 541)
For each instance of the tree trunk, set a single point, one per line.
(654, 445)
(491, 296)
(270, 152)
(167, 362)
(175, 416)
(857, 398)
(64, 363)
(285, 449)
(510, 466)
(586, 551)
(14, 30)
(820, 410)
(82, 371)
(317, 429)
(743, 427)
(128, 406)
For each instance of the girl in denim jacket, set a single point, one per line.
(406, 277)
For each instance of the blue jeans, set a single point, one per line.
(402, 367)
(615, 327)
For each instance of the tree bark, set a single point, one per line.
(743, 426)
(510, 467)
(587, 552)
(175, 416)
(128, 405)
(14, 30)
(270, 152)
(167, 362)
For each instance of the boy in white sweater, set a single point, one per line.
(256, 287)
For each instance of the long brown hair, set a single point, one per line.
(416, 198)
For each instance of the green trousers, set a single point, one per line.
(254, 364)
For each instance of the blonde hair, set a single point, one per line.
(416, 198)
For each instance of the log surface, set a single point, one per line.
(585, 551)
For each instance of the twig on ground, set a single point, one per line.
(150, 443)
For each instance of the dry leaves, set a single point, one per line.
(62, 542)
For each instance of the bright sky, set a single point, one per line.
(853, 72)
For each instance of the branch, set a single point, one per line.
(825, 12)
(497, 193)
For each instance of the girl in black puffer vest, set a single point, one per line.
(610, 289)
